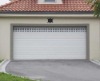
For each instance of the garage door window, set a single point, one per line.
(49, 29)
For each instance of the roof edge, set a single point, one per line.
(46, 12)
(47, 15)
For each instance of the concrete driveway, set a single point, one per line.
(56, 70)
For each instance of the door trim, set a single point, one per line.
(87, 36)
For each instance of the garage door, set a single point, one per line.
(31, 43)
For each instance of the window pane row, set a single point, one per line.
(49, 29)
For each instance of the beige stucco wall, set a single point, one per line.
(94, 32)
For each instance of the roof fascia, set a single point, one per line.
(47, 15)
(46, 12)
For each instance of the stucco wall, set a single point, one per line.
(94, 32)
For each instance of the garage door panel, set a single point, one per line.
(56, 35)
(46, 43)
(35, 57)
(43, 43)
(49, 49)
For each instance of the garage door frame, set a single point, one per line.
(87, 35)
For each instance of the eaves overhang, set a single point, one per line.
(47, 14)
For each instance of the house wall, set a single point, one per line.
(5, 31)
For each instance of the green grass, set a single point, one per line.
(9, 77)
(1, 60)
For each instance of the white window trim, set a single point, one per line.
(56, 2)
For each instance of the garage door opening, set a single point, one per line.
(49, 42)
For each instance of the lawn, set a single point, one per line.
(9, 77)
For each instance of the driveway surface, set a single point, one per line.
(56, 70)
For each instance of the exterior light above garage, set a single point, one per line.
(50, 20)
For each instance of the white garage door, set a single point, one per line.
(31, 43)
